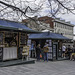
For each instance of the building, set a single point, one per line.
(54, 40)
(13, 37)
(74, 39)
(55, 25)
(37, 24)
(59, 26)
(64, 28)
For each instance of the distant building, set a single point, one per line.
(37, 24)
(74, 40)
(51, 24)
(59, 26)
(64, 28)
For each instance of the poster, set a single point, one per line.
(50, 49)
(50, 42)
(49, 55)
(54, 50)
(29, 42)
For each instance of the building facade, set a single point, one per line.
(54, 25)
(64, 28)
(59, 26)
(38, 24)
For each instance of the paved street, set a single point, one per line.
(64, 67)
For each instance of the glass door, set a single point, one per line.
(55, 48)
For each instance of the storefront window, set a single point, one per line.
(10, 39)
(1, 38)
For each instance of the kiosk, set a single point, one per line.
(54, 41)
(13, 37)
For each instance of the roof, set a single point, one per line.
(47, 20)
(11, 25)
(63, 22)
(48, 35)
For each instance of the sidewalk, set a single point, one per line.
(16, 62)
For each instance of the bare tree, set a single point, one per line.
(20, 9)
(61, 6)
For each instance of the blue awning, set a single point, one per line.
(48, 35)
(6, 24)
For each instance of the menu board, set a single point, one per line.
(23, 39)
(1, 53)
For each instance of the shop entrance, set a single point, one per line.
(57, 53)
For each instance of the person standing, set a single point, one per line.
(32, 49)
(38, 51)
(63, 50)
(72, 56)
(69, 51)
(46, 49)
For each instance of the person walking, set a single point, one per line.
(38, 51)
(72, 57)
(63, 49)
(46, 49)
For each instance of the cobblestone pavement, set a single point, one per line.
(64, 67)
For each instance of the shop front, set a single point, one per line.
(54, 41)
(13, 37)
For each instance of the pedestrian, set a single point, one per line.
(45, 50)
(38, 51)
(72, 57)
(63, 50)
(69, 51)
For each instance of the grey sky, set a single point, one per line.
(44, 11)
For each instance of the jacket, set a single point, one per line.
(46, 49)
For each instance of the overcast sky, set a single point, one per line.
(45, 11)
(67, 17)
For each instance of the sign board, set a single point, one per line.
(23, 39)
(25, 50)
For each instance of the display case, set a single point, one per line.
(1, 38)
(22, 42)
(53, 48)
(10, 39)
(8, 45)
(1, 46)
(22, 39)
(50, 52)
